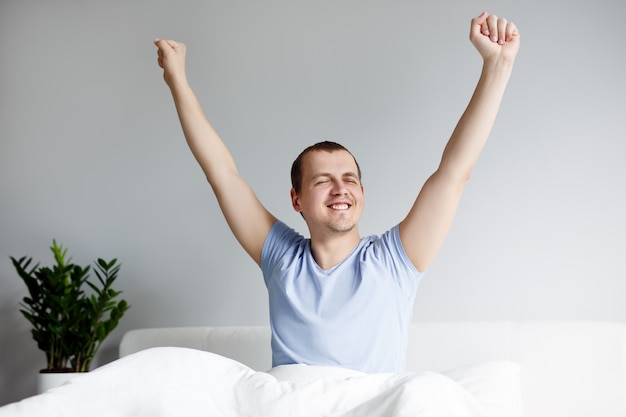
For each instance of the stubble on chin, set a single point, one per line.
(341, 227)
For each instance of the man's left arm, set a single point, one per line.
(424, 229)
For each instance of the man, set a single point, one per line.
(338, 299)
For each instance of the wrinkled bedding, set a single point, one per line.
(186, 382)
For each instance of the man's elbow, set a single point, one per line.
(454, 175)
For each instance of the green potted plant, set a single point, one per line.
(70, 314)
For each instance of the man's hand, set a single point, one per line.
(171, 57)
(494, 37)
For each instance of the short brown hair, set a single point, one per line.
(328, 146)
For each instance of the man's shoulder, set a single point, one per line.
(391, 235)
(280, 240)
(280, 231)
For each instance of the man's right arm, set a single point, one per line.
(248, 219)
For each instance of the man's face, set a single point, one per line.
(331, 196)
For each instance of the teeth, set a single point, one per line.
(343, 206)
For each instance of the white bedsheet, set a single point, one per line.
(187, 382)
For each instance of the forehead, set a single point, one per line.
(337, 162)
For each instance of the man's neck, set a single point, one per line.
(333, 248)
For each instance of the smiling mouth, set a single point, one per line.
(339, 206)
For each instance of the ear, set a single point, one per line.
(295, 201)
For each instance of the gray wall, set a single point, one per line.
(91, 152)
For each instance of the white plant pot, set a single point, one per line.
(48, 380)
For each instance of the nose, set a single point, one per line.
(339, 188)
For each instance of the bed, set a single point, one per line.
(504, 369)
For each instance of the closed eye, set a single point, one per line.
(351, 179)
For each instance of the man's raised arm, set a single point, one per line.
(424, 229)
(249, 221)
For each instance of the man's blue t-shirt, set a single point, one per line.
(353, 315)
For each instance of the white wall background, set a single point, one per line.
(91, 152)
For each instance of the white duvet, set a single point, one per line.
(163, 382)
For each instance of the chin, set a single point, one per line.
(341, 228)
